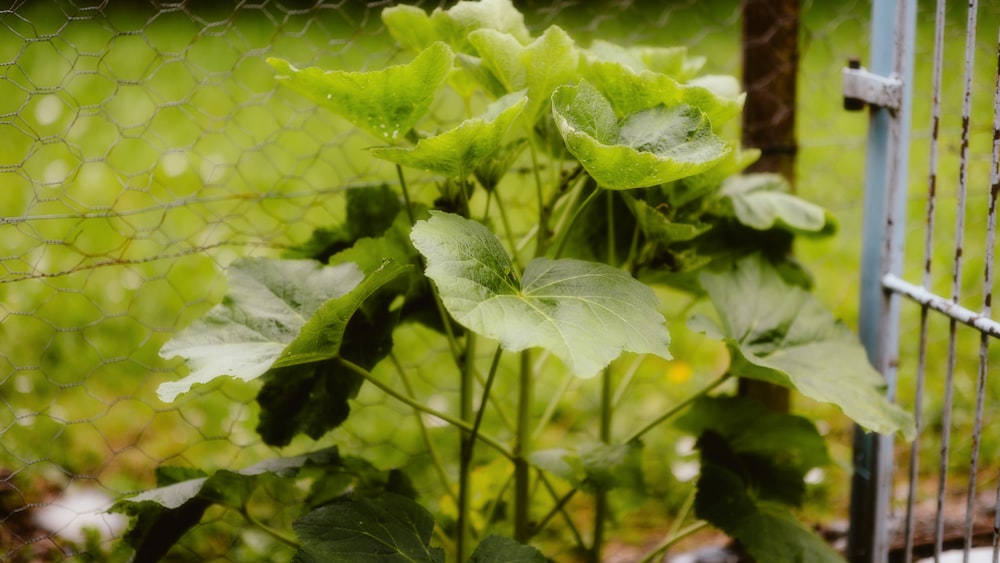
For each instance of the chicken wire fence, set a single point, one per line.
(144, 146)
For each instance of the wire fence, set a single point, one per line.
(143, 147)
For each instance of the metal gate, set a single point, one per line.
(888, 517)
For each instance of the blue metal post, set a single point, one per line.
(893, 25)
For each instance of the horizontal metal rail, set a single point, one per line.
(965, 316)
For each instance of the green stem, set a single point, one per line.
(543, 218)
(560, 508)
(564, 236)
(424, 408)
(510, 233)
(522, 447)
(684, 404)
(424, 433)
(406, 194)
(601, 495)
(487, 387)
(466, 389)
(274, 533)
(627, 378)
(554, 403)
(672, 540)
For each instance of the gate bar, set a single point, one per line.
(953, 310)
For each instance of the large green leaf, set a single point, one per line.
(585, 313)
(267, 304)
(356, 529)
(767, 530)
(547, 62)
(780, 333)
(762, 201)
(650, 147)
(771, 451)
(459, 152)
(501, 549)
(164, 514)
(387, 103)
(630, 91)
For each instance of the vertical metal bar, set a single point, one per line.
(893, 24)
(991, 227)
(918, 402)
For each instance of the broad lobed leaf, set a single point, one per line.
(780, 333)
(585, 313)
(386, 103)
(650, 147)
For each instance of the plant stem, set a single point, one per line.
(465, 447)
(601, 495)
(681, 406)
(560, 508)
(424, 408)
(487, 387)
(564, 236)
(274, 533)
(543, 218)
(673, 539)
(425, 435)
(515, 255)
(406, 194)
(554, 403)
(522, 447)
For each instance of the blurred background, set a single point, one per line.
(146, 145)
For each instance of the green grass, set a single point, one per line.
(140, 153)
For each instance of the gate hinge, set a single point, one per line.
(863, 87)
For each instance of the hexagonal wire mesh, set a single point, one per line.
(145, 146)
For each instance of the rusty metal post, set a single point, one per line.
(770, 70)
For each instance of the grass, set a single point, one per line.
(142, 152)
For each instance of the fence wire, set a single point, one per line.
(144, 146)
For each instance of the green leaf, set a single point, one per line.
(585, 313)
(370, 211)
(459, 152)
(779, 333)
(267, 304)
(671, 61)
(501, 549)
(595, 466)
(387, 103)
(658, 228)
(647, 148)
(538, 67)
(631, 91)
(762, 201)
(305, 391)
(415, 29)
(767, 530)
(771, 451)
(164, 514)
(384, 529)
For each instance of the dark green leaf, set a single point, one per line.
(164, 514)
(770, 451)
(585, 313)
(370, 210)
(767, 530)
(501, 549)
(595, 466)
(384, 529)
(306, 390)
(779, 333)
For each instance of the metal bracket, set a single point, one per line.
(863, 87)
